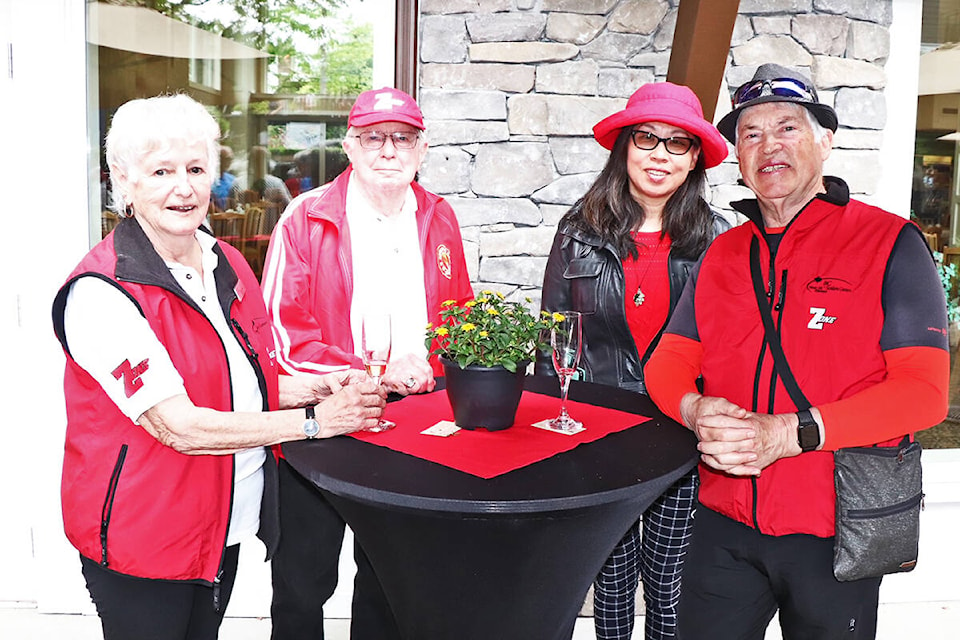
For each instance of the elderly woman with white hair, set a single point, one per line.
(172, 390)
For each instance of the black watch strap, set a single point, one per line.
(808, 432)
(311, 414)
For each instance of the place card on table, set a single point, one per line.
(545, 425)
(443, 429)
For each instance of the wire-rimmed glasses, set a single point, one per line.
(376, 139)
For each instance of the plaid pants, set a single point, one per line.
(657, 557)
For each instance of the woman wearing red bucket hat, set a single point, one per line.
(621, 256)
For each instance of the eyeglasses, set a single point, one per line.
(783, 87)
(647, 141)
(376, 139)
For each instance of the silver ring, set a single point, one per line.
(410, 382)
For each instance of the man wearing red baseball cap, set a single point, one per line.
(370, 241)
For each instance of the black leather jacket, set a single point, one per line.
(585, 274)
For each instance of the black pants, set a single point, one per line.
(305, 569)
(142, 609)
(735, 579)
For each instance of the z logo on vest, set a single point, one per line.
(131, 375)
(820, 318)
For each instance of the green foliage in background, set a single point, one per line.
(948, 278)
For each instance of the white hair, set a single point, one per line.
(148, 124)
(818, 129)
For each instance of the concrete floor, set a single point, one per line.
(18, 621)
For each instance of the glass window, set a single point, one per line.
(935, 200)
(278, 75)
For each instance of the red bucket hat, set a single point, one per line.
(385, 105)
(669, 103)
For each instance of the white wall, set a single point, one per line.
(903, 75)
(935, 577)
(45, 201)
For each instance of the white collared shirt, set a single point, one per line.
(387, 272)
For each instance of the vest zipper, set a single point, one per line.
(782, 293)
(216, 589)
(881, 512)
(254, 360)
(778, 308)
(223, 547)
(251, 353)
(756, 517)
(107, 508)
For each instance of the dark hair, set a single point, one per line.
(609, 210)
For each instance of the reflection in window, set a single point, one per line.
(278, 75)
(935, 203)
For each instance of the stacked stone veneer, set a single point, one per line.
(511, 89)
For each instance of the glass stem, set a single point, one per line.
(564, 388)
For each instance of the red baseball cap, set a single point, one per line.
(385, 105)
(670, 103)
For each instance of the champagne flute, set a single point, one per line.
(565, 342)
(376, 353)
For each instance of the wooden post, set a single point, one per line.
(701, 43)
(407, 46)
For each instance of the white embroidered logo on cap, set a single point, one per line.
(386, 102)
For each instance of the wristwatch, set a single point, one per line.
(310, 426)
(808, 433)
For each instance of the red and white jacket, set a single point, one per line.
(308, 276)
(130, 503)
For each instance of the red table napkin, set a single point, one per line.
(491, 453)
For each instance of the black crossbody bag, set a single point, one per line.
(879, 489)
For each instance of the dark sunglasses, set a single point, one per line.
(783, 87)
(648, 142)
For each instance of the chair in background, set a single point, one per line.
(250, 239)
(108, 220)
(225, 224)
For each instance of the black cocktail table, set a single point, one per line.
(461, 557)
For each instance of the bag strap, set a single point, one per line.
(770, 331)
(773, 338)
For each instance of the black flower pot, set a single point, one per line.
(483, 397)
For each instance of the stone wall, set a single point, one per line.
(511, 89)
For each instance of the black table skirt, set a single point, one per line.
(463, 557)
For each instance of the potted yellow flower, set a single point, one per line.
(485, 346)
